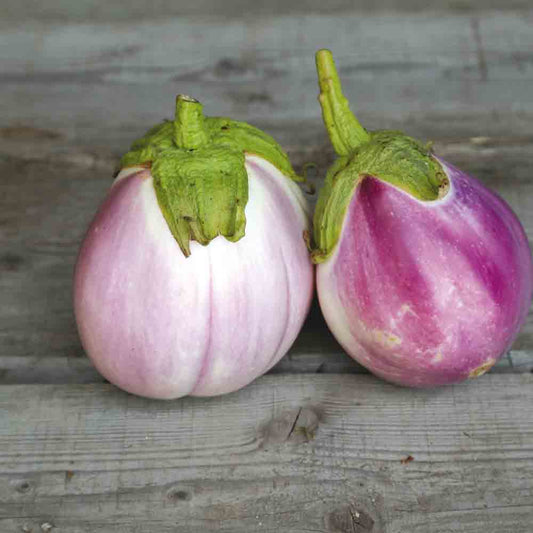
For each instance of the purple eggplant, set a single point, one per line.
(424, 275)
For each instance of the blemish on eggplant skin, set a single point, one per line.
(438, 357)
(482, 369)
(386, 338)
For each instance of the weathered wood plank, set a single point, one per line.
(314, 352)
(46, 206)
(79, 370)
(27, 11)
(74, 95)
(289, 453)
(446, 74)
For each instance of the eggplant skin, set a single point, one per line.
(159, 324)
(427, 293)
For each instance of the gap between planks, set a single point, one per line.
(79, 370)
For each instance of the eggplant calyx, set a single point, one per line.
(390, 156)
(199, 172)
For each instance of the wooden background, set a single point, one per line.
(79, 81)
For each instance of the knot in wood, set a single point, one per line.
(349, 519)
(296, 426)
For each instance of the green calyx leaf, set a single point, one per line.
(199, 171)
(390, 156)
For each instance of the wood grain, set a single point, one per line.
(302, 449)
(289, 453)
(47, 205)
(61, 11)
(77, 370)
(435, 74)
(81, 80)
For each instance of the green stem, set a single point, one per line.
(345, 131)
(190, 132)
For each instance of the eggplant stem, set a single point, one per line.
(345, 131)
(190, 130)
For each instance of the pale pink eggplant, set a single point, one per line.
(422, 292)
(159, 324)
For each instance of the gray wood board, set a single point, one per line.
(439, 74)
(77, 370)
(75, 90)
(295, 453)
(112, 11)
(46, 206)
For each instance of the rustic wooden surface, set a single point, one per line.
(339, 454)
(79, 81)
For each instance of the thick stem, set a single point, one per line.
(189, 125)
(345, 131)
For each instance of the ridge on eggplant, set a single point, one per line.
(198, 166)
(390, 156)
